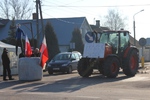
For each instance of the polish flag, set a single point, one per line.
(44, 53)
(28, 50)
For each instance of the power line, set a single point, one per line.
(60, 19)
(66, 11)
(99, 6)
(50, 2)
(74, 9)
(73, 2)
(62, 2)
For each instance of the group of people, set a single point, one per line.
(5, 57)
(35, 53)
(6, 62)
(19, 33)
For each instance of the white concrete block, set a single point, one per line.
(29, 69)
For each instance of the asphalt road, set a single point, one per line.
(73, 87)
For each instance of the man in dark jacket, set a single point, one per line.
(6, 65)
(19, 32)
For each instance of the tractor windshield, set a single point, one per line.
(109, 37)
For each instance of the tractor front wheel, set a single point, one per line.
(111, 67)
(84, 69)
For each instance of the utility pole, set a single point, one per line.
(41, 19)
(37, 22)
(38, 7)
(134, 25)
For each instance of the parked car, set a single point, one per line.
(64, 62)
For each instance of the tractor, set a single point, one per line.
(118, 54)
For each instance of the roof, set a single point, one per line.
(3, 22)
(132, 42)
(117, 31)
(4, 45)
(63, 27)
(99, 29)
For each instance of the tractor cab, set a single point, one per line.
(119, 40)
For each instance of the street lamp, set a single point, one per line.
(134, 25)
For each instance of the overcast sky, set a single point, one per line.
(97, 9)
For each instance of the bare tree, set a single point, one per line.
(5, 8)
(20, 9)
(114, 20)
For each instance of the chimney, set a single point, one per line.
(34, 16)
(98, 23)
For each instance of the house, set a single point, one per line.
(3, 22)
(98, 27)
(132, 42)
(63, 27)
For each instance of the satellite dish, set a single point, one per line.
(142, 41)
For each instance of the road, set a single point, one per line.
(73, 87)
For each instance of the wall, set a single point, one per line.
(146, 54)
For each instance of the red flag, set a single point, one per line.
(28, 50)
(44, 53)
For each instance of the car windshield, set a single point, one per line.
(62, 57)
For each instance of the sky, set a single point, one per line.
(97, 9)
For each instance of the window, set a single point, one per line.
(77, 56)
(124, 39)
(104, 38)
(73, 56)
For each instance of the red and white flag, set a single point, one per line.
(44, 53)
(28, 50)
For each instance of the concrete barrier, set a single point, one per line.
(29, 69)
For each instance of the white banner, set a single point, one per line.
(94, 50)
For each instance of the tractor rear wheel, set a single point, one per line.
(84, 68)
(131, 64)
(111, 67)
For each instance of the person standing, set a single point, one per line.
(6, 65)
(19, 33)
(36, 53)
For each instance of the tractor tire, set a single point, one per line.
(84, 68)
(111, 67)
(130, 64)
